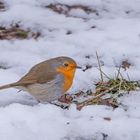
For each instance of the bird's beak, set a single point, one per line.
(78, 67)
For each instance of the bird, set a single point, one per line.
(47, 81)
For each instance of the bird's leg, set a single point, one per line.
(19, 91)
(65, 98)
(38, 101)
(60, 104)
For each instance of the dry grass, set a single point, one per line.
(16, 32)
(65, 9)
(113, 89)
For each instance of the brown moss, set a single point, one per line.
(65, 9)
(2, 6)
(16, 32)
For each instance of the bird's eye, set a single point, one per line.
(66, 64)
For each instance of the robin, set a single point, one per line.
(48, 80)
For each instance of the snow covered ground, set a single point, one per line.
(113, 30)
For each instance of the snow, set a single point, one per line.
(116, 37)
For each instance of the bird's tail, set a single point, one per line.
(7, 86)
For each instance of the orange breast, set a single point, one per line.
(68, 78)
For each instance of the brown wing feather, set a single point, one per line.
(40, 73)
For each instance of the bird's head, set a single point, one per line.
(67, 67)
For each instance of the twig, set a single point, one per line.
(118, 72)
(128, 77)
(120, 85)
(105, 74)
(101, 74)
(90, 101)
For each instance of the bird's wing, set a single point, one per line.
(38, 74)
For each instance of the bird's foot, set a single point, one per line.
(65, 99)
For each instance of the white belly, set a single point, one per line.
(45, 92)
